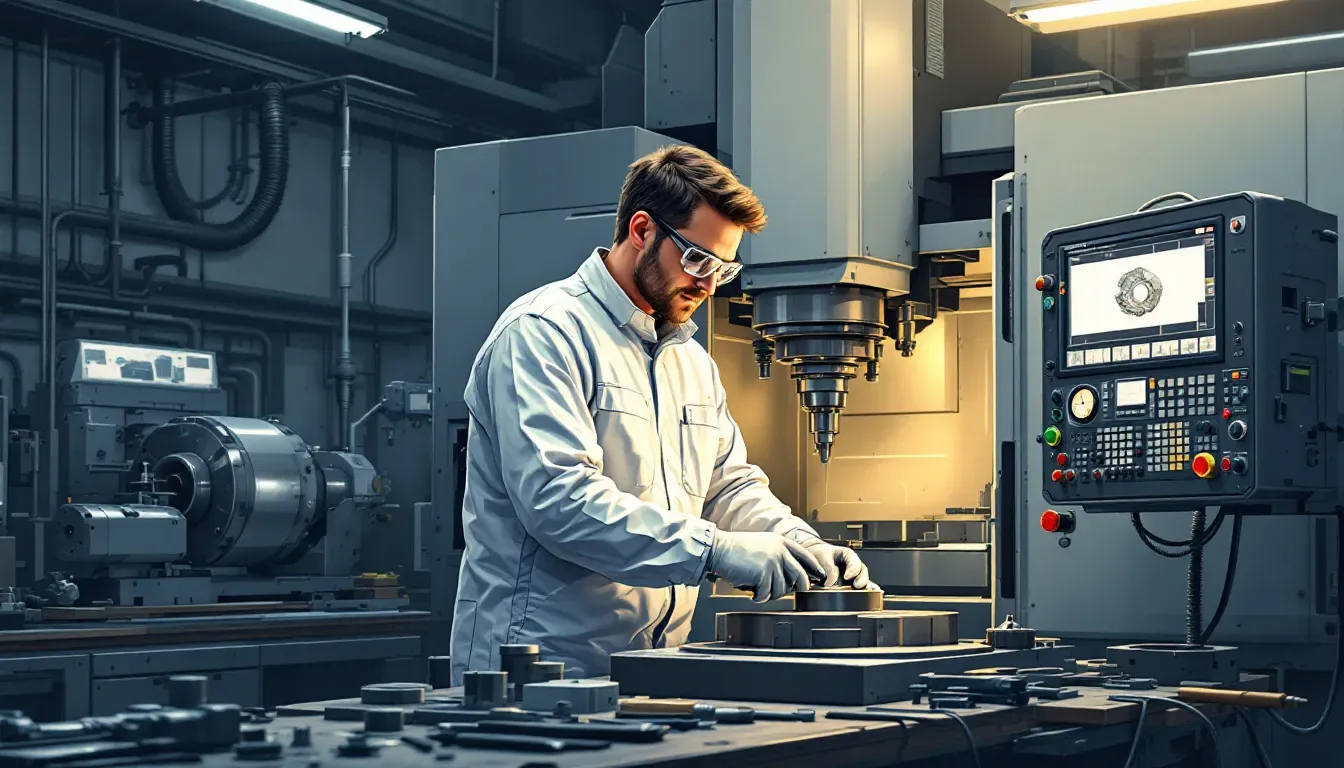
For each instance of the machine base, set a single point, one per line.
(802, 678)
(1177, 664)
(326, 592)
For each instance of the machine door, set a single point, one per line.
(540, 247)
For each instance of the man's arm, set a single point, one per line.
(739, 496)
(552, 469)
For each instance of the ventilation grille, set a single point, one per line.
(933, 38)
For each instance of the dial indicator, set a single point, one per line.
(1083, 404)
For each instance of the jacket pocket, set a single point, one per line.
(699, 447)
(625, 431)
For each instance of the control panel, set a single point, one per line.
(108, 362)
(1189, 357)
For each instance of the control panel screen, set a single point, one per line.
(1131, 393)
(1140, 299)
(125, 363)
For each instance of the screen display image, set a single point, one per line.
(1143, 298)
(1149, 293)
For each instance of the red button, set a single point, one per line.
(1056, 475)
(1045, 282)
(1063, 459)
(1227, 413)
(1050, 521)
(1068, 475)
(1226, 464)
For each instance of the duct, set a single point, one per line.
(16, 380)
(345, 364)
(838, 184)
(273, 133)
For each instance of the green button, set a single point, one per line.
(1052, 436)
(1048, 303)
(1056, 415)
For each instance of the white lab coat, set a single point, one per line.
(600, 463)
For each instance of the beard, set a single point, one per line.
(670, 303)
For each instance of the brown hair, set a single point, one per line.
(671, 181)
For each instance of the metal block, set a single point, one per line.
(584, 696)
(955, 236)
(948, 569)
(1171, 664)
(802, 678)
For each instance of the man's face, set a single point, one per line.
(660, 278)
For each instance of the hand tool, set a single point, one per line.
(466, 738)
(673, 722)
(637, 733)
(1255, 699)
(703, 711)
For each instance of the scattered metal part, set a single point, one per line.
(545, 671)
(440, 672)
(1174, 664)
(485, 690)
(1130, 684)
(186, 691)
(952, 702)
(1010, 634)
(794, 716)
(252, 733)
(383, 694)
(636, 733)
(461, 738)
(675, 723)
(303, 736)
(585, 697)
(838, 599)
(383, 720)
(421, 744)
(259, 750)
(1054, 694)
(358, 745)
(516, 661)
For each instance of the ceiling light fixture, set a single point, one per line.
(311, 15)
(1050, 16)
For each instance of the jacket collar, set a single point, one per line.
(593, 272)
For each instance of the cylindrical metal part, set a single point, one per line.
(516, 661)
(383, 720)
(264, 493)
(303, 736)
(841, 599)
(440, 671)
(1257, 699)
(485, 690)
(186, 691)
(546, 671)
(120, 533)
(393, 693)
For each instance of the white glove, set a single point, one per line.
(769, 565)
(841, 564)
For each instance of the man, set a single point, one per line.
(605, 477)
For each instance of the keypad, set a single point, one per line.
(1169, 446)
(1183, 396)
(1119, 447)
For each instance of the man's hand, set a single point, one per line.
(770, 565)
(841, 564)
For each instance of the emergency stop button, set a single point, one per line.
(1205, 465)
(1057, 522)
(1045, 282)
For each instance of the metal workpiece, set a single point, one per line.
(110, 534)
(1010, 634)
(1175, 664)
(584, 697)
(388, 694)
(187, 691)
(485, 689)
(833, 630)
(827, 335)
(841, 599)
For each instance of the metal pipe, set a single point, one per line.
(16, 381)
(345, 364)
(393, 218)
(48, 301)
(192, 327)
(76, 156)
(112, 163)
(494, 40)
(267, 361)
(254, 381)
(354, 427)
(142, 115)
(14, 124)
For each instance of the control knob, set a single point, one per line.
(1206, 427)
(1234, 464)
(1237, 429)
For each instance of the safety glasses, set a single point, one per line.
(697, 261)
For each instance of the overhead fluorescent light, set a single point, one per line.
(327, 15)
(1049, 16)
(1266, 57)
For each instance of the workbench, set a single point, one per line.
(67, 670)
(1074, 727)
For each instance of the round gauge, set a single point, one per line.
(1083, 404)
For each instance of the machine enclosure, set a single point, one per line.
(1245, 397)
